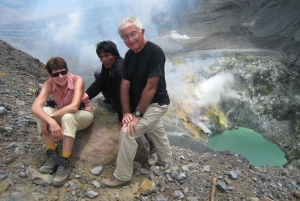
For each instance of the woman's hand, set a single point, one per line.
(44, 128)
(56, 131)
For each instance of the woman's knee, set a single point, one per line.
(67, 117)
(49, 110)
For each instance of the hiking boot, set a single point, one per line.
(152, 159)
(152, 150)
(62, 172)
(113, 182)
(166, 166)
(51, 163)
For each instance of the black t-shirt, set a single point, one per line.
(138, 67)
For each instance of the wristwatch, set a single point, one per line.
(138, 113)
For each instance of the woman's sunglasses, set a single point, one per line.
(63, 72)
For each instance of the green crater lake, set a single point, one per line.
(249, 144)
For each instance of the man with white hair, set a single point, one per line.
(144, 100)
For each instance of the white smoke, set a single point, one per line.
(67, 30)
(188, 83)
(209, 91)
(73, 28)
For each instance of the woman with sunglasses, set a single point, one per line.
(73, 112)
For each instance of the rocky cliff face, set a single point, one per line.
(257, 42)
(239, 24)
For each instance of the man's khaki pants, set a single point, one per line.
(70, 122)
(151, 124)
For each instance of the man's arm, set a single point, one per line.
(95, 88)
(146, 98)
(125, 101)
(148, 93)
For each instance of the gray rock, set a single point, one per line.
(20, 150)
(155, 170)
(160, 197)
(2, 176)
(24, 195)
(96, 183)
(97, 170)
(185, 168)
(264, 177)
(152, 177)
(22, 174)
(175, 175)
(7, 160)
(12, 145)
(233, 175)
(181, 176)
(8, 129)
(144, 171)
(221, 186)
(177, 195)
(3, 110)
(272, 184)
(169, 178)
(39, 178)
(91, 194)
(230, 188)
(38, 195)
(74, 184)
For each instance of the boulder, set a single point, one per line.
(98, 144)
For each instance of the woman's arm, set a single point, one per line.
(38, 104)
(73, 107)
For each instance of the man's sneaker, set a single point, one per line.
(113, 182)
(51, 163)
(62, 172)
(152, 159)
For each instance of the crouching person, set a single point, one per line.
(72, 113)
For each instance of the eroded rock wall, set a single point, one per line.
(261, 40)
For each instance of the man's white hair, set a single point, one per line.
(126, 22)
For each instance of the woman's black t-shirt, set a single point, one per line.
(138, 67)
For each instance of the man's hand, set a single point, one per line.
(120, 125)
(127, 117)
(131, 126)
(56, 131)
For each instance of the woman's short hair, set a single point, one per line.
(56, 63)
(126, 22)
(107, 46)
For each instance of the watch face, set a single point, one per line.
(137, 113)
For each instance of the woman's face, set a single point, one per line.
(107, 59)
(60, 76)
